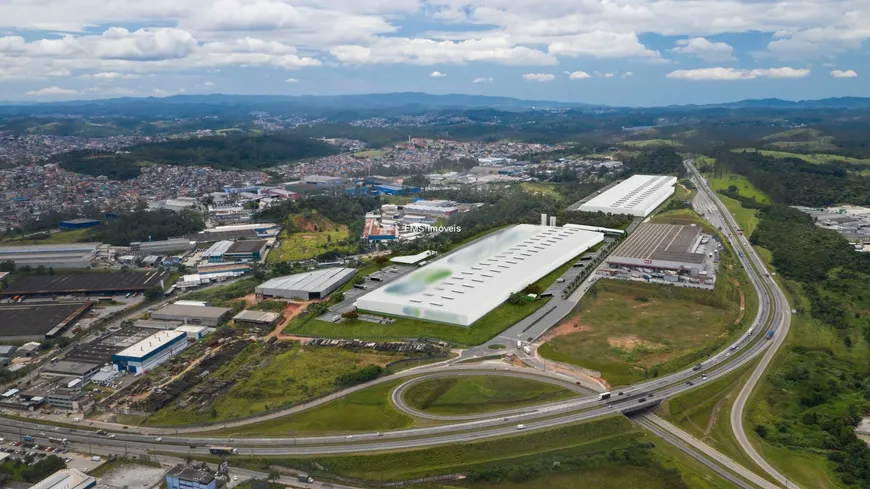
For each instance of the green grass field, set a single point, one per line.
(263, 381)
(478, 332)
(651, 143)
(309, 236)
(481, 394)
(744, 187)
(631, 330)
(366, 410)
(585, 439)
(817, 158)
(746, 218)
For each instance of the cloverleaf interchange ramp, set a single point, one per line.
(772, 315)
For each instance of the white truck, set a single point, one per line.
(603, 396)
(527, 350)
(519, 344)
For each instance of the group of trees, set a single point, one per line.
(144, 225)
(365, 374)
(828, 392)
(36, 472)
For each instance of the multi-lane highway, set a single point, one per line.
(772, 315)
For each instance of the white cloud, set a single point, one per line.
(208, 84)
(844, 74)
(720, 73)
(601, 44)
(540, 77)
(437, 74)
(112, 75)
(51, 91)
(482, 79)
(429, 52)
(704, 49)
(291, 80)
(577, 75)
(627, 74)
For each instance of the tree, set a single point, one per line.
(517, 299)
(351, 315)
(154, 293)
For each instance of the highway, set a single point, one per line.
(772, 315)
(781, 322)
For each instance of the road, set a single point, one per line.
(640, 396)
(781, 322)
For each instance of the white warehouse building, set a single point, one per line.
(151, 352)
(637, 196)
(463, 286)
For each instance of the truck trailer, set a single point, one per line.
(223, 450)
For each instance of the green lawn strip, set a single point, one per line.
(225, 293)
(583, 439)
(633, 330)
(481, 394)
(365, 410)
(264, 380)
(308, 235)
(485, 328)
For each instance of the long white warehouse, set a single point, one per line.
(463, 286)
(637, 196)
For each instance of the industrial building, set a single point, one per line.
(194, 332)
(666, 252)
(322, 180)
(78, 223)
(204, 315)
(244, 250)
(66, 479)
(316, 284)
(190, 477)
(79, 255)
(81, 370)
(432, 208)
(86, 283)
(461, 287)
(151, 352)
(257, 318)
(413, 259)
(637, 196)
(39, 321)
(158, 247)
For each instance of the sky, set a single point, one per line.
(616, 52)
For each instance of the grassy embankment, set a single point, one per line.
(630, 331)
(651, 143)
(611, 452)
(817, 158)
(478, 332)
(481, 394)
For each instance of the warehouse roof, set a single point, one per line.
(412, 259)
(151, 343)
(66, 479)
(667, 242)
(314, 281)
(247, 246)
(638, 195)
(462, 286)
(257, 316)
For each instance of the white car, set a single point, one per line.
(111, 435)
(235, 477)
(521, 426)
(349, 437)
(159, 439)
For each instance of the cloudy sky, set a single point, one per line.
(621, 52)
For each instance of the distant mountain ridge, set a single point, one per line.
(417, 100)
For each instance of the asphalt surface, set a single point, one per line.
(780, 323)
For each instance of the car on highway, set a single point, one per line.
(642, 399)
(349, 437)
(111, 435)
(521, 426)
(158, 439)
